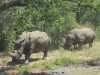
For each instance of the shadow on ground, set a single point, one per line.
(12, 66)
(43, 73)
(21, 61)
(2, 69)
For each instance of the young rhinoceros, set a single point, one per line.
(31, 42)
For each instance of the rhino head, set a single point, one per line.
(18, 50)
(69, 42)
(15, 55)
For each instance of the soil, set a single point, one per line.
(6, 65)
(57, 71)
(67, 70)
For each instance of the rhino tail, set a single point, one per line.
(50, 41)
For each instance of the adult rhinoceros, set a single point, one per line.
(80, 37)
(31, 42)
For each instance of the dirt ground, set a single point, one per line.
(6, 64)
(88, 66)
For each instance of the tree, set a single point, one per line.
(55, 17)
(5, 4)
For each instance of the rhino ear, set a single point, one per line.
(65, 35)
(14, 41)
(68, 36)
(22, 41)
(14, 51)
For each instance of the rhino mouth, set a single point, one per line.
(66, 46)
(15, 56)
(12, 54)
(14, 59)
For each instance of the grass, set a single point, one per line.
(59, 57)
(24, 69)
(64, 61)
(4, 61)
(49, 66)
(67, 61)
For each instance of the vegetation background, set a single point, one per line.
(55, 17)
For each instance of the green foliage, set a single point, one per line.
(65, 61)
(7, 32)
(89, 11)
(55, 17)
(97, 31)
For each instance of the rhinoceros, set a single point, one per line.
(80, 37)
(31, 42)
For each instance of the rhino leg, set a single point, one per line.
(80, 45)
(45, 54)
(90, 45)
(46, 50)
(27, 57)
(75, 46)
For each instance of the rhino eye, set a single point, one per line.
(18, 52)
(14, 51)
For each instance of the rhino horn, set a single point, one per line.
(11, 54)
(15, 41)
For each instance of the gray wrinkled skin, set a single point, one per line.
(31, 42)
(80, 37)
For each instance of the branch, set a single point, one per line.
(10, 3)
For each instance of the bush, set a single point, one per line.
(55, 17)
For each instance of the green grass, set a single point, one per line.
(65, 61)
(59, 57)
(23, 70)
(50, 66)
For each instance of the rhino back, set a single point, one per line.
(89, 37)
(38, 41)
(37, 34)
(86, 35)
